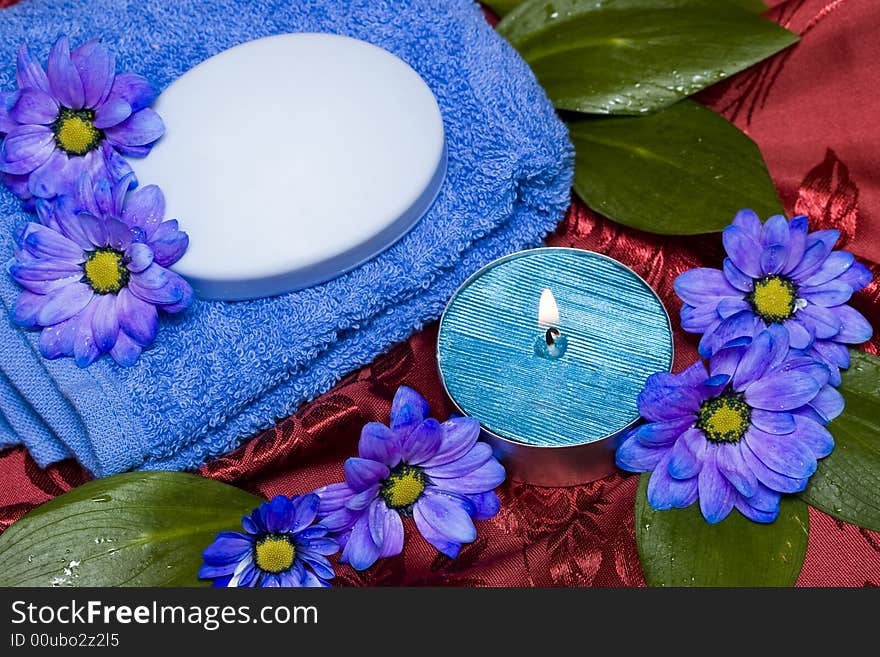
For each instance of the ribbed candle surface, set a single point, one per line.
(618, 335)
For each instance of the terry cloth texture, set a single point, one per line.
(222, 371)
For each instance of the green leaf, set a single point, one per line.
(502, 7)
(636, 56)
(682, 171)
(136, 529)
(679, 548)
(847, 483)
(758, 6)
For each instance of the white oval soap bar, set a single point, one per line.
(292, 159)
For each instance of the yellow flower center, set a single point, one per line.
(105, 271)
(774, 299)
(75, 131)
(404, 486)
(275, 554)
(724, 419)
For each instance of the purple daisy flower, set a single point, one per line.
(75, 117)
(737, 436)
(778, 273)
(438, 474)
(95, 272)
(280, 546)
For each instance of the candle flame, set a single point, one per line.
(548, 311)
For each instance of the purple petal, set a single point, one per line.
(776, 232)
(459, 436)
(141, 128)
(743, 250)
(43, 278)
(140, 256)
(816, 251)
(787, 455)
(126, 351)
(57, 341)
(434, 536)
(486, 505)
(26, 308)
(332, 497)
(736, 277)
(835, 265)
(729, 306)
(379, 443)
(833, 353)
(829, 403)
(34, 107)
(362, 500)
(798, 334)
(95, 229)
(660, 403)
(157, 285)
(764, 499)
(483, 479)
(754, 360)
(773, 259)
(659, 434)
(305, 509)
(815, 437)
(741, 325)
(422, 442)
(387, 529)
(85, 349)
(666, 492)
(632, 455)
(797, 228)
(105, 322)
(64, 303)
(112, 113)
(360, 550)
(408, 410)
(449, 515)
(133, 89)
(704, 286)
(137, 318)
(782, 391)
(30, 73)
(854, 328)
(96, 66)
(687, 454)
(168, 243)
(730, 463)
(44, 242)
(479, 454)
(698, 319)
(63, 77)
(360, 474)
(857, 277)
(118, 234)
(828, 294)
(748, 221)
(228, 547)
(145, 208)
(823, 322)
(717, 495)
(772, 422)
(753, 514)
(27, 143)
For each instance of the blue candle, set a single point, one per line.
(549, 348)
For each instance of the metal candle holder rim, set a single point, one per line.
(525, 447)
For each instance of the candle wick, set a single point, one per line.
(551, 335)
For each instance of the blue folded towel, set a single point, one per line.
(222, 371)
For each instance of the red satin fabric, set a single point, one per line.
(813, 111)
